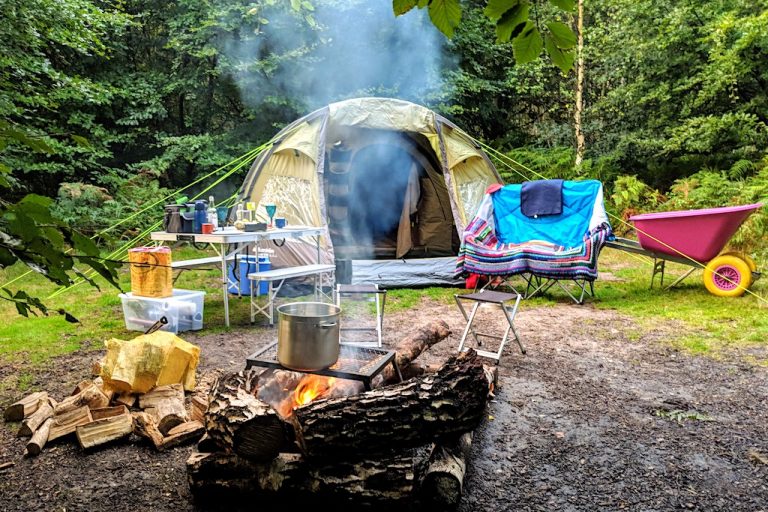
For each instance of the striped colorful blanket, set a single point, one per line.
(482, 253)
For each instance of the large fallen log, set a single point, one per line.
(24, 407)
(238, 421)
(413, 413)
(290, 479)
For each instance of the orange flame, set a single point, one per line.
(311, 388)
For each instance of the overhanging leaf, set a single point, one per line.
(528, 44)
(512, 19)
(496, 8)
(566, 5)
(445, 15)
(563, 59)
(84, 245)
(401, 7)
(562, 35)
(81, 141)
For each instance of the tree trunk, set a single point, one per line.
(238, 421)
(436, 406)
(579, 107)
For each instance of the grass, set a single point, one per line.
(705, 324)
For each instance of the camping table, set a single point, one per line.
(223, 239)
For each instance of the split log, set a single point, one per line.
(39, 438)
(91, 396)
(166, 406)
(290, 478)
(198, 405)
(111, 425)
(238, 421)
(198, 400)
(81, 386)
(183, 433)
(444, 477)
(412, 346)
(144, 426)
(24, 407)
(433, 407)
(125, 398)
(67, 422)
(37, 418)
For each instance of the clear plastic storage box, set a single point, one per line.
(184, 311)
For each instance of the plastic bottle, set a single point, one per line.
(213, 218)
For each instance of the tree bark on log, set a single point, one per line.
(437, 406)
(413, 345)
(24, 407)
(90, 396)
(238, 421)
(37, 418)
(39, 438)
(290, 478)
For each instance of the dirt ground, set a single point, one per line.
(584, 421)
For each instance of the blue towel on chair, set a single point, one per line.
(541, 197)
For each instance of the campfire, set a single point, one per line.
(277, 435)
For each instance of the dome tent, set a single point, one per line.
(393, 182)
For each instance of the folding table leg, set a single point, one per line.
(511, 321)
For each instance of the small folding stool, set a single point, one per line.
(379, 296)
(502, 301)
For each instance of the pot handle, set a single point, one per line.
(327, 325)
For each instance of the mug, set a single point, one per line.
(280, 222)
(207, 228)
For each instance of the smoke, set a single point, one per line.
(338, 51)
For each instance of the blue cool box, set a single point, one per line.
(248, 265)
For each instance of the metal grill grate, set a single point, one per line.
(355, 363)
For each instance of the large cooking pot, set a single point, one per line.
(308, 335)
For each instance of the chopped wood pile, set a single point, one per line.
(95, 415)
(400, 442)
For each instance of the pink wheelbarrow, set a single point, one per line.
(695, 238)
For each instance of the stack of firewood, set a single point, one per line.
(387, 446)
(96, 415)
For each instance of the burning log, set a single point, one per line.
(289, 478)
(238, 421)
(432, 407)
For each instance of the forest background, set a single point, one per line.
(108, 106)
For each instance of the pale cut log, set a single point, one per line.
(108, 412)
(155, 395)
(105, 430)
(168, 414)
(238, 421)
(37, 418)
(81, 386)
(198, 400)
(414, 344)
(127, 399)
(105, 388)
(39, 438)
(67, 422)
(96, 367)
(24, 407)
(91, 396)
(198, 405)
(289, 478)
(444, 478)
(429, 408)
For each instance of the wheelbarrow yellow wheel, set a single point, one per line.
(746, 257)
(727, 276)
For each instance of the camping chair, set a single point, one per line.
(557, 247)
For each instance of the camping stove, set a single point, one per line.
(354, 363)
